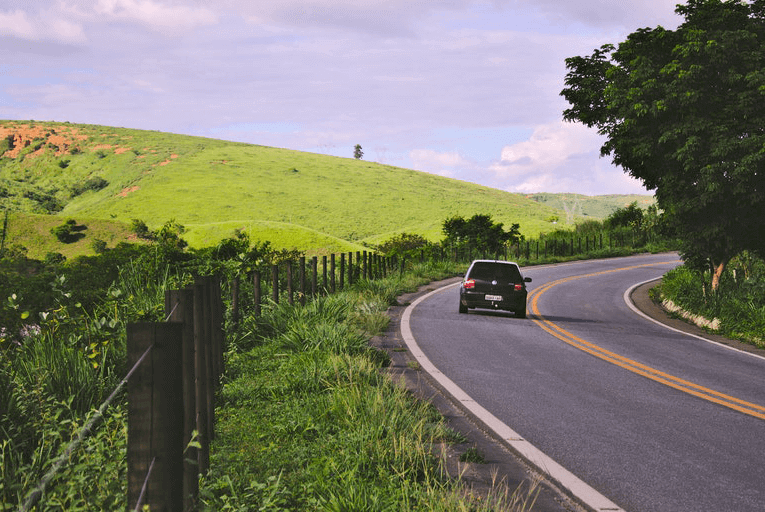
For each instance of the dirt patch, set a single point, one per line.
(119, 151)
(125, 191)
(61, 139)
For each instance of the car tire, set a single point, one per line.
(463, 308)
(521, 313)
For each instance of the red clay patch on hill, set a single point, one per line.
(128, 190)
(61, 139)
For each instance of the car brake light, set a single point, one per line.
(518, 287)
(470, 283)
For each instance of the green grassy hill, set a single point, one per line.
(100, 175)
(598, 207)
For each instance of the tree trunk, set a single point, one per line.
(716, 276)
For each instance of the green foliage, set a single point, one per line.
(682, 110)
(630, 216)
(68, 232)
(357, 152)
(479, 233)
(140, 229)
(307, 423)
(403, 244)
(91, 184)
(739, 303)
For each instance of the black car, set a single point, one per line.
(494, 284)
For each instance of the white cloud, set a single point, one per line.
(433, 162)
(43, 26)
(561, 157)
(550, 146)
(157, 15)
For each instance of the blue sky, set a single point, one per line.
(461, 88)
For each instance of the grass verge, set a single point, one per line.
(307, 420)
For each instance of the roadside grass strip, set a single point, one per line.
(633, 366)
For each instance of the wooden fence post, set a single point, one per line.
(342, 270)
(332, 273)
(256, 291)
(314, 275)
(155, 416)
(301, 271)
(290, 298)
(275, 283)
(235, 303)
(202, 372)
(350, 268)
(324, 283)
(179, 307)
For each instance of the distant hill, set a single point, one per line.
(105, 176)
(597, 207)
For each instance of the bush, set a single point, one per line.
(65, 233)
(95, 184)
(140, 228)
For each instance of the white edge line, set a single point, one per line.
(628, 301)
(579, 489)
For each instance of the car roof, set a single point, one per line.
(495, 261)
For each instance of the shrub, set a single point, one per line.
(99, 246)
(95, 184)
(140, 228)
(68, 232)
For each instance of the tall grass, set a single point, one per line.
(53, 380)
(739, 303)
(309, 421)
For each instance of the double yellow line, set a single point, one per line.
(683, 385)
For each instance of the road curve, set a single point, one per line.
(626, 414)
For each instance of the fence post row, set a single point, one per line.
(171, 394)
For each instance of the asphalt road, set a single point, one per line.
(652, 419)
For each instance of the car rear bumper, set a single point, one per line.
(477, 300)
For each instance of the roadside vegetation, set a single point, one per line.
(304, 409)
(738, 303)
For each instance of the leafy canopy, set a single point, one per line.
(479, 232)
(684, 111)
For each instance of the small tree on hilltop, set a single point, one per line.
(357, 153)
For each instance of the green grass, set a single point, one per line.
(311, 202)
(739, 303)
(308, 421)
(597, 207)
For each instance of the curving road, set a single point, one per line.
(646, 418)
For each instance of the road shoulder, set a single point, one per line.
(503, 468)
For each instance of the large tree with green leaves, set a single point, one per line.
(684, 111)
(480, 233)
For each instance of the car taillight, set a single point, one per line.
(470, 283)
(518, 287)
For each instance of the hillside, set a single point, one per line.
(293, 199)
(598, 207)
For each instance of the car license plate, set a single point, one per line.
(493, 298)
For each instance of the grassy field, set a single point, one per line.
(599, 207)
(311, 202)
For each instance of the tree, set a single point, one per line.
(479, 232)
(403, 244)
(357, 153)
(630, 216)
(684, 111)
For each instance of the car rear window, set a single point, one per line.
(499, 271)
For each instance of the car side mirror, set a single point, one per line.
(526, 279)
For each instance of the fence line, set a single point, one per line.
(81, 435)
(171, 409)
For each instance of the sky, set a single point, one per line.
(460, 88)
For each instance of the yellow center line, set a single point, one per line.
(683, 385)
